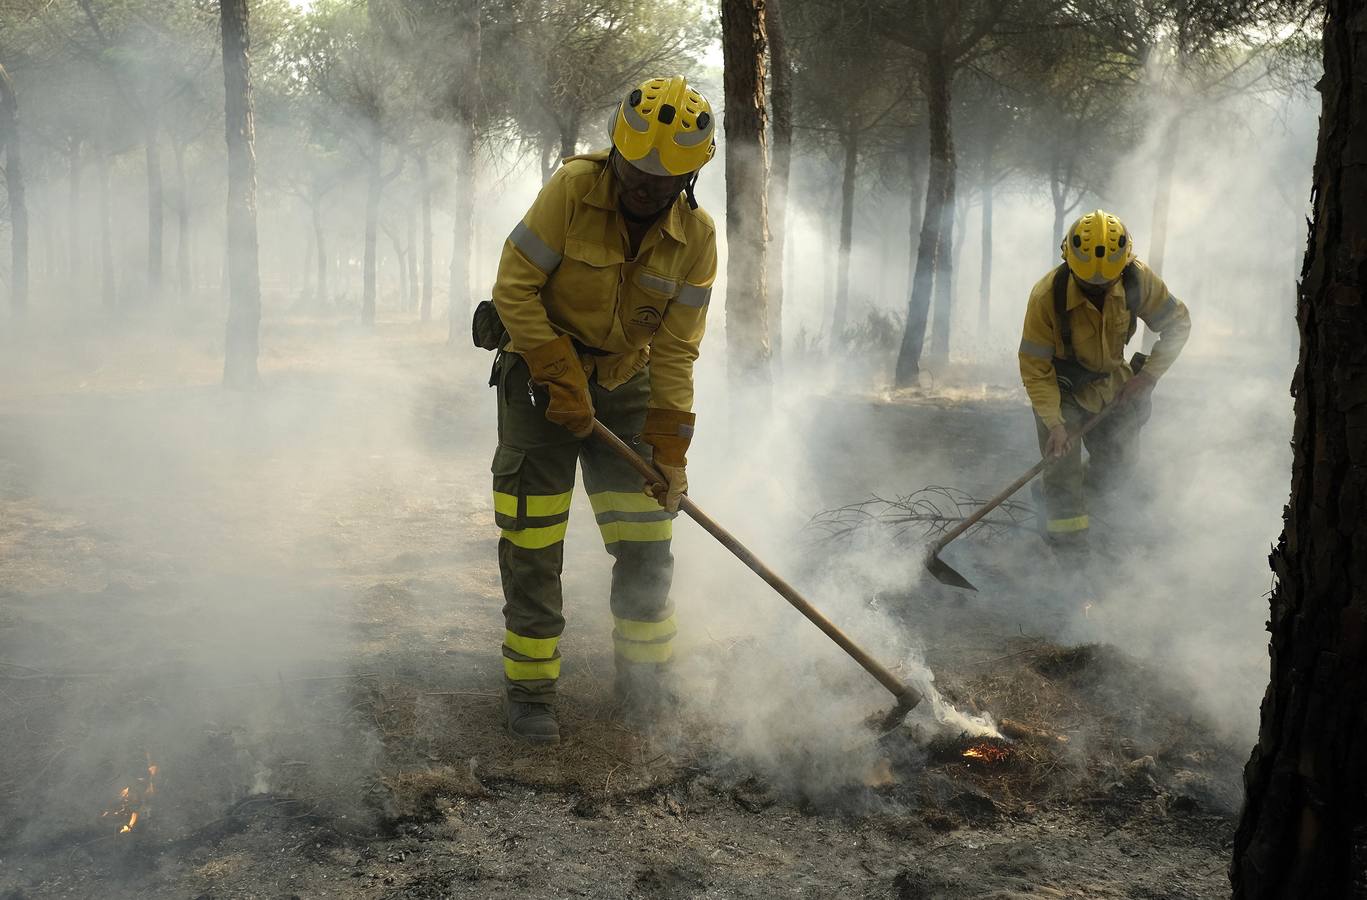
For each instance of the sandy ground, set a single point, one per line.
(274, 618)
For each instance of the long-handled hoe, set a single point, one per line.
(943, 571)
(907, 696)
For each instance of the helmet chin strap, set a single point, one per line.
(688, 192)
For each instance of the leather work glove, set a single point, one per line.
(1136, 389)
(556, 366)
(668, 432)
(1058, 443)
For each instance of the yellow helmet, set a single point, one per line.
(664, 127)
(1098, 247)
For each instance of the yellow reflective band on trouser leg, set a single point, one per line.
(1068, 526)
(622, 501)
(530, 658)
(537, 538)
(644, 642)
(636, 531)
(637, 652)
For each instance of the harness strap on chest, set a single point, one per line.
(1129, 277)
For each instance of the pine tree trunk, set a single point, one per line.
(467, 141)
(155, 208)
(939, 194)
(1303, 831)
(374, 186)
(985, 269)
(321, 297)
(425, 310)
(182, 222)
(244, 274)
(108, 285)
(747, 326)
(842, 289)
(569, 136)
(462, 236)
(75, 258)
(411, 301)
(14, 192)
(781, 108)
(1162, 194)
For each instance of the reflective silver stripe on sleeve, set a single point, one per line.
(694, 296)
(1165, 315)
(656, 282)
(535, 249)
(1039, 351)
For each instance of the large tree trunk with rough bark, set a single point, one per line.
(938, 195)
(425, 306)
(781, 156)
(1303, 831)
(850, 140)
(747, 323)
(374, 186)
(244, 274)
(944, 269)
(14, 192)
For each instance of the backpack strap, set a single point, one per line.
(1061, 320)
(1133, 297)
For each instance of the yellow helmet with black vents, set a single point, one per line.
(1097, 248)
(664, 127)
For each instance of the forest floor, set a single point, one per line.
(274, 619)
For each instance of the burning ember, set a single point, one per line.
(132, 799)
(987, 753)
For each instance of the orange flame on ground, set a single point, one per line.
(132, 798)
(988, 753)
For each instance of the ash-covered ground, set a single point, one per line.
(274, 618)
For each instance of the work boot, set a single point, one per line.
(532, 722)
(642, 691)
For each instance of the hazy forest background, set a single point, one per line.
(285, 599)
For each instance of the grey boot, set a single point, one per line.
(532, 722)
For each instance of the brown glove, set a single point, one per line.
(556, 366)
(669, 432)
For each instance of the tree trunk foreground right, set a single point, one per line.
(1303, 831)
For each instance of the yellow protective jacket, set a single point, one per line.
(564, 270)
(1098, 340)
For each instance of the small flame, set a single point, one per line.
(988, 753)
(133, 798)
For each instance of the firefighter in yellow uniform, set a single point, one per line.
(603, 288)
(1079, 318)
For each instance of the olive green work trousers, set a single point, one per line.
(533, 475)
(1112, 450)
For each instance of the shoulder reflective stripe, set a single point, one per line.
(1042, 351)
(1164, 317)
(530, 647)
(645, 632)
(1068, 526)
(694, 296)
(622, 501)
(537, 538)
(631, 651)
(656, 282)
(540, 670)
(637, 531)
(535, 249)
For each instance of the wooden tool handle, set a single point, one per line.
(907, 696)
(1016, 485)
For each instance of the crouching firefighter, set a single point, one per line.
(603, 290)
(1079, 318)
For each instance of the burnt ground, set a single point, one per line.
(287, 603)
